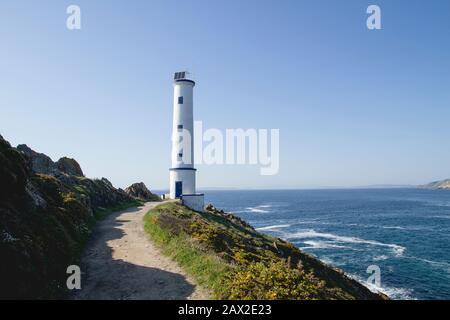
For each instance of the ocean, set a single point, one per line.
(405, 232)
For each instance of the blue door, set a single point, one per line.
(178, 189)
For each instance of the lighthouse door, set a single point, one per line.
(178, 188)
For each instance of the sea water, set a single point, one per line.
(406, 232)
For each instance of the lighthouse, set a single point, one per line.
(182, 171)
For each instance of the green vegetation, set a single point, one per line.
(205, 266)
(102, 213)
(227, 256)
(275, 280)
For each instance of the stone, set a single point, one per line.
(69, 166)
(40, 163)
(140, 191)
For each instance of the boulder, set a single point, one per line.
(140, 191)
(40, 163)
(69, 166)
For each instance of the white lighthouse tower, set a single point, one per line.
(182, 172)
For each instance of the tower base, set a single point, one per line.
(195, 201)
(182, 181)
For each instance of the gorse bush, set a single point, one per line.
(276, 280)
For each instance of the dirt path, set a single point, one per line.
(120, 262)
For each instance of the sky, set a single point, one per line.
(354, 106)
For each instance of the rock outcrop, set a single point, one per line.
(41, 163)
(69, 166)
(47, 210)
(139, 191)
(96, 193)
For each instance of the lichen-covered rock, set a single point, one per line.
(40, 163)
(96, 193)
(140, 191)
(101, 192)
(69, 166)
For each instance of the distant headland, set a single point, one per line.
(442, 184)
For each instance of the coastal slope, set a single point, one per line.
(228, 256)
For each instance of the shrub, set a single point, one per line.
(276, 280)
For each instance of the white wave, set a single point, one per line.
(331, 262)
(256, 210)
(394, 227)
(380, 258)
(317, 244)
(439, 264)
(441, 217)
(328, 261)
(259, 209)
(398, 250)
(391, 292)
(274, 227)
(378, 226)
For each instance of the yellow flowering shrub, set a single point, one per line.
(276, 280)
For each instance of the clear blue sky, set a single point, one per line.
(354, 107)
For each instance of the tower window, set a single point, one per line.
(180, 126)
(180, 100)
(180, 155)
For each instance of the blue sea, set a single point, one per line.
(406, 232)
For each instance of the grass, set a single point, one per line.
(102, 213)
(205, 266)
(80, 189)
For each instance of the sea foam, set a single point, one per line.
(391, 292)
(274, 227)
(259, 209)
(398, 250)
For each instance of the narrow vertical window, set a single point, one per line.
(180, 100)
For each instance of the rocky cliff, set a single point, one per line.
(47, 210)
